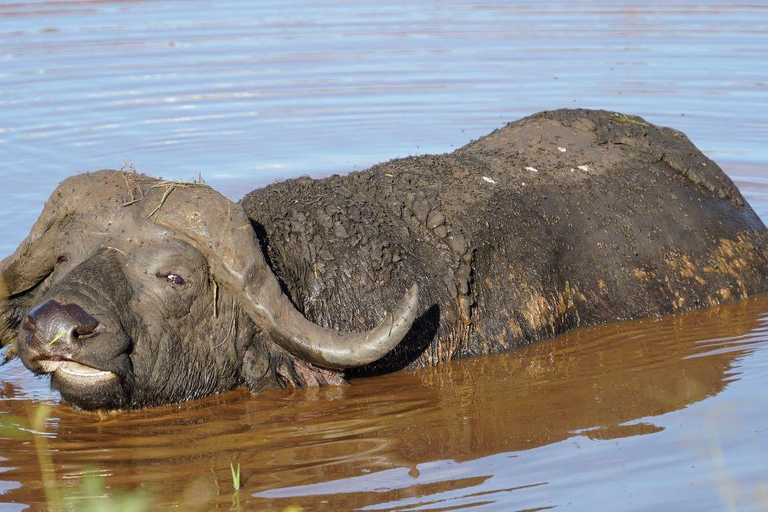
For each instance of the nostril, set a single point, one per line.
(84, 332)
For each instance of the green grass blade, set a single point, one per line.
(235, 476)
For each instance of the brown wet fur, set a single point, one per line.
(630, 221)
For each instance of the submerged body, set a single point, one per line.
(563, 219)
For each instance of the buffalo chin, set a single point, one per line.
(87, 388)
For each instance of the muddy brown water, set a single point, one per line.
(660, 413)
(655, 414)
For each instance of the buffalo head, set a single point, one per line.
(131, 292)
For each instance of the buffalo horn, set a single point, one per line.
(223, 233)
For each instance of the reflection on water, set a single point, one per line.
(602, 407)
(660, 414)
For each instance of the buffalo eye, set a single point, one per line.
(62, 259)
(175, 279)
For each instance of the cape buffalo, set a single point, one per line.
(132, 291)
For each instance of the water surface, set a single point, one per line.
(662, 413)
(659, 414)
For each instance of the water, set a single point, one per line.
(657, 414)
(661, 414)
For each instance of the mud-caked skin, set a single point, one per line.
(132, 291)
(562, 219)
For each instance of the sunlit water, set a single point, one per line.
(660, 414)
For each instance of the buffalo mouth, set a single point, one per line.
(82, 386)
(71, 371)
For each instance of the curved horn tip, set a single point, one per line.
(338, 350)
(365, 348)
(402, 319)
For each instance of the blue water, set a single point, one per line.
(250, 92)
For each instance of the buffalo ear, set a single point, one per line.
(35, 258)
(266, 366)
